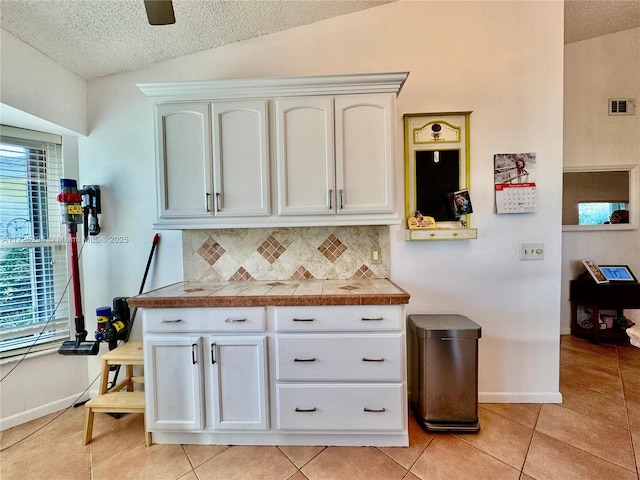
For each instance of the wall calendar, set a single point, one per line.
(514, 178)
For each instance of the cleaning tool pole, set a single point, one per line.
(75, 274)
(154, 244)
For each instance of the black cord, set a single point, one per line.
(54, 418)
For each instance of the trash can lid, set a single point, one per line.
(445, 325)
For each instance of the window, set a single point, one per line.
(598, 213)
(33, 261)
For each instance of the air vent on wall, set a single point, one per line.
(622, 106)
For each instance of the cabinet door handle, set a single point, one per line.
(193, 353)
(365, 359)
(218, 207)
(330, 198)
(313, 409)
(303, 319)
(341, 206)
(206, 200)
(213, 353)
(372, 319)
(235, 320)
(375, 410)
(177, 320)
(312, 359)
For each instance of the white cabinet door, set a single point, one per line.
(237, 394)
(173, 383)
(364, 153)
(241, 158)
(305, 158)
(335, 154)
(184, 160)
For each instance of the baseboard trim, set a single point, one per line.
(43, 410)
(519, 397)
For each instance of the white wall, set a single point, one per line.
(596, 70)
(39, 94)
(503, 60)
(38, 86)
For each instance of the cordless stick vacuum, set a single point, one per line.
(72, 214)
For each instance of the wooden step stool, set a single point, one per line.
(114, 401)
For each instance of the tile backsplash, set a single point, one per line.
(331, 253)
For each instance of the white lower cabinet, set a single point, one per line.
(237, 375)
(340, 407)
(333, 375)
(173, 382)
(198, 381)
(340, 368)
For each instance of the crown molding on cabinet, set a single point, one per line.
(163, 92)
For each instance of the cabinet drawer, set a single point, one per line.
(338, 318)
(231, 319)
(340, 407)
(340, 357)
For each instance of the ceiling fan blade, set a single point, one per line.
(160, 12)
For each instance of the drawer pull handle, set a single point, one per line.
(312, 359)
(304, 410)
(303, 319)
(177, 320)
(365, 359)
(213, 350)
(193, 353)
(235, 320)
(372, 319)
(375, 410)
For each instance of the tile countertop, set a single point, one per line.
(273, 293)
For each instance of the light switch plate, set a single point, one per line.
(531, 251)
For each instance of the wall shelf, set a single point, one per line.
(442, 234)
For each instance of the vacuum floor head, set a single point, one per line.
(70, 347)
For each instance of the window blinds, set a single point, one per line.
(34, 309)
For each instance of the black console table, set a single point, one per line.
(609, 296)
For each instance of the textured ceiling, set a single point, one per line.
(95, 38)
(593, 18)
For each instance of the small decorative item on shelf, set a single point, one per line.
(418, 221)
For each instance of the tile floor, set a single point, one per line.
(593, 434)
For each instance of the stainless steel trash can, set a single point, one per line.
(445, 372)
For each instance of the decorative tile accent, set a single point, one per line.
(241, 275)
(193, 290)
(271, 249)
(211, 251)
(272, 254)
(302, 274)
(332, 248)
(363, 272)
(349, 287)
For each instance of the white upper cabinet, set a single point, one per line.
(331, 138)
(335, 154)
(305, 156)
(364, 153)
(184, 160)
(240, 158)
